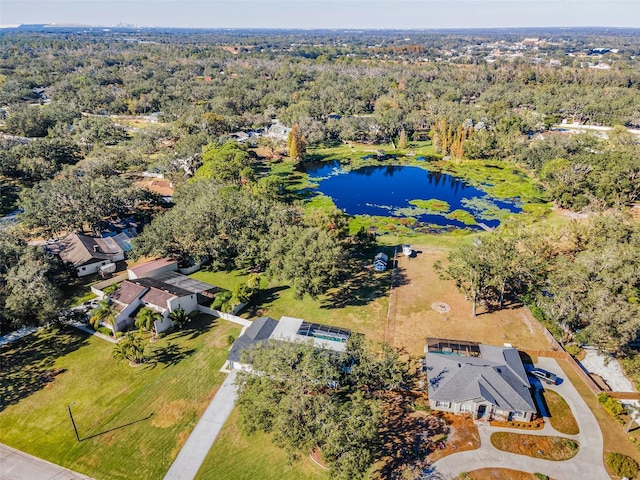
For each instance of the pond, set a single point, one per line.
(406, 191)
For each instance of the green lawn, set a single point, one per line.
(560, 414)
(359, 304)
(235, 456)
(133, 421)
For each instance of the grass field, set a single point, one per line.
(560, 414)
(360, 304)
(235, 456)
(132, 421)
(536, 446)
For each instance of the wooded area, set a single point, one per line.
(85, 112)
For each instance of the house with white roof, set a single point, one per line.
(288, 329)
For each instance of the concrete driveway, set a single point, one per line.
(587, 464)
(17, 465)
(197, 446)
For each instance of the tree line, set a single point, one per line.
(582, 279)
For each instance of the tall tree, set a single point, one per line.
(296, 144)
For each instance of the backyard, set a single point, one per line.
(131, 421)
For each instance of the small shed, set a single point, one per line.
(380, 262)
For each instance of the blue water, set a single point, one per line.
(387, 190)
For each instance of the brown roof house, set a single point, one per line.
(160, 288)
(482, 380)
(88, 255)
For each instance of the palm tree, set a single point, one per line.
(101, 313)
(146, 319)
(180, 317)
(130, 348)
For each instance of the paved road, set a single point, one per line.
(17, 465)
(194, 451)
(587, 464)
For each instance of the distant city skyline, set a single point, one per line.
(393, 14)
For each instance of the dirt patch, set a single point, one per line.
(535, 446)
(417, 287)
(50, 375)
(170, 413)
(440, 307)
(499, 474)
(316, 456)
(407, 434)
(463, 435)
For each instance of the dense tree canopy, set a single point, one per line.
(309, 397)
(584, 277)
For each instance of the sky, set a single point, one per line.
(379, 14)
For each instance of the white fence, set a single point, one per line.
(225, 316)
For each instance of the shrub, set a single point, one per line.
(541, 476)
(573, 350)
(611, 405)
(622, 465)
(230, 340)
(104, 330)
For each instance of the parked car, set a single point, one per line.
(547, 377)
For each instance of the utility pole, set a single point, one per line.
(75, 429)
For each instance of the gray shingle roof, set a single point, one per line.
(497, 377)
(259, 331)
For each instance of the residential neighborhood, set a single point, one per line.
(347, 253)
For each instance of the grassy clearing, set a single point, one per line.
(561, 417)
(133, 421)
(360, 304)
(535, 446)
(236, 456)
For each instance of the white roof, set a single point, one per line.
(287, 330)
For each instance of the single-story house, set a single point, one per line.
(380, 262)
(164, 291)
(485, 381)
(288, 329)
(159, 186)
(153, 267)
(87, 254)
(277, 131)
(259, 331)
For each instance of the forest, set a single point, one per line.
(83, 112)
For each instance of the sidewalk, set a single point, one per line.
(18, 334)
(194, 451)
(17, 465)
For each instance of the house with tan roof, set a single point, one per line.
(87, 255)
